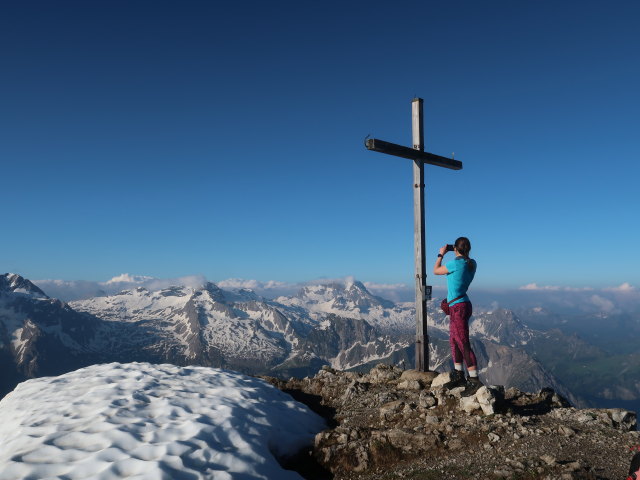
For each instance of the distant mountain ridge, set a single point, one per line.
(343, 326)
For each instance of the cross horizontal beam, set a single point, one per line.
(406, 152)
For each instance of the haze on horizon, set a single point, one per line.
(621, 299)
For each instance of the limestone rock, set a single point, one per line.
(355, 389)
(548, 459)
(431, 420)
(388, 410)
(361, 457)
(409, 385)
(566, 431)
(469, 404)
(406, 441)
(382, 373)
(486, 398)
(624, 419)
(441, 395)
(455, 444)
(427, 400)
(425, 378)
(573, 466)
(503, 473)
(441, 379)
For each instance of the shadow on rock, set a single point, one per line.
(307, 466)
(540, 403)
(304, 461)
(314, 402)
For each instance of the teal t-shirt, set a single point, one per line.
(459, 278)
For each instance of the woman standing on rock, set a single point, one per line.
(460, 272)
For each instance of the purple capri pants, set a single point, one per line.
(459, 334)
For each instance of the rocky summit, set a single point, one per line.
(395, 424)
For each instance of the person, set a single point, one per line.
(460, 272)
(634, 468)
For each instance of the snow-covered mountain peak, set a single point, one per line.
(354, 283)
(334, 296)
(138, 299)
(133, 292)
(175, 291)
(319, 292)
(243, 295)
(142, 292)
(215, 292)
(356, 286)
(14, 283)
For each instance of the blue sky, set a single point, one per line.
(225, 139)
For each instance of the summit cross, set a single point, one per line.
(419, 157)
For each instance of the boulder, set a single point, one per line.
(388, 410)
(440, 394)
(406, 440)
(361, 459)
(455, 444)
(441, 379)
(487, 398)
(469, 404)
(427, 400)
(623, 419)
(354, 390)
(409, 385)
(566, 431)
(382, 373)
(431, 420)
(425, 378)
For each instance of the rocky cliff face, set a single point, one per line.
(42, 336)
(393, 424)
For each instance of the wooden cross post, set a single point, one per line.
(419, 157)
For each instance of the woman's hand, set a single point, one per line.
(443, 250)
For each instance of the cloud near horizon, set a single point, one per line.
(80, 289)
(534, 287)
(252, 284)
(609, 300)
(624, 288)
(126, 278)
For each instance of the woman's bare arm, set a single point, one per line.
(438, 268)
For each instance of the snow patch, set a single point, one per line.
(143, 421)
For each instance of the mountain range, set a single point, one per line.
(341, 325)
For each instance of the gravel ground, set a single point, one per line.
(390, 424)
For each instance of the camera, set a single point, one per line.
(449, 248)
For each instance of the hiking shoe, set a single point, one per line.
(473, 384)
(457, 380)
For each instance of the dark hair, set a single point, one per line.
(463, 245)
